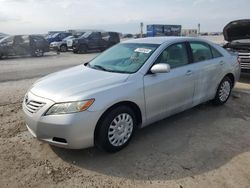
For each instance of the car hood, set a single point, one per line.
(237, 30)
(75, 83)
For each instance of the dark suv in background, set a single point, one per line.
(237, 34)
(95, 41)
(34, 45)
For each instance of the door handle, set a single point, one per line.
(189, 72)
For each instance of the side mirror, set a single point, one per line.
(160, 68)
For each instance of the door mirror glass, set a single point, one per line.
(160, 68)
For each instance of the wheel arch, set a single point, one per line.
(231, 77)
(130, 104)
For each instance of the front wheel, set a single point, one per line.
(223, 91)
(63, 48)
(116, 129)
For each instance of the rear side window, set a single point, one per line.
(201, 51)
(216, 53)
(175, 55)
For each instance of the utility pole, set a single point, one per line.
(199, 29)
(141, 33)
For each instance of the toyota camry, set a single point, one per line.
(129, 86)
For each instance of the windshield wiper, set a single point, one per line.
(99, 67)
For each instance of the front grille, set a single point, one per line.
(244, 60)
(33, 106)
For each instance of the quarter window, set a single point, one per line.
(201, 51)
(216, 53)
(175, 55)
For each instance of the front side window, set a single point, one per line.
(201, 51)
(26, 39)
(18, 40)
(95, 36)
(124, 57)
(175, 55)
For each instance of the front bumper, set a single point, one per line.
(54, 48)
(73, 131)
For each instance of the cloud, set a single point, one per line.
(198, 2)
(5, 18)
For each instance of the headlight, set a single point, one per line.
(70, 107)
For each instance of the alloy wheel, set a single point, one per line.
(224, 91)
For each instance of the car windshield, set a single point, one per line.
(85, 35)
(123, 58)
(6, 39)
(54, 35)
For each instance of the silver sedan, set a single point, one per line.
(127, 87)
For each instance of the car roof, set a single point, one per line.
(161, 40)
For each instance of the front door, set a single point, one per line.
(169, 93)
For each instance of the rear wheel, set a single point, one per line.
(38, 52)
(223, 91)
(116, 129)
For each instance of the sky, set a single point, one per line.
(41, 16)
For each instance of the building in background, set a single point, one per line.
(189, 32)
(163, 30)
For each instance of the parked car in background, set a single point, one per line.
(70, 41)
(61, 45)
(34, 45)
(95, 41)
(128, 36)
(237, 33)
(129, 86)
(57, 37)
(2, 35)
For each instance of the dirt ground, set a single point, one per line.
(206, 146)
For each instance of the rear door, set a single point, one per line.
(208, 64)
(169, 93)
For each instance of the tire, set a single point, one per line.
(38, 52)
(63, 48)
(116, 129)
(223, 92)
